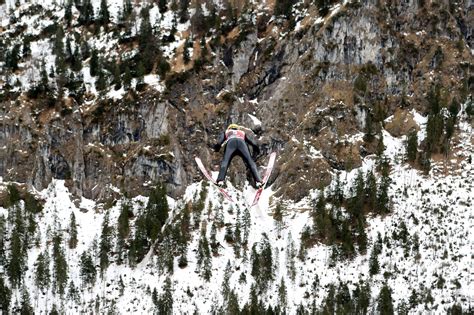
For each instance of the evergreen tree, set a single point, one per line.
(186, 57)
(5, 296)
(374, 267)
(183, 11)
(165, 302)
(60, 265)
(105, 245)
(362, 298)
(412, 146)
(290, 258)
(26, 51)
(225, 282)
(88, 272)
(44, 81)
(383, 198)
(72, 232)
(163, 6)
(232, 306)
(282, 296)
(127, 78)
(323, 6)
(17, 263)
(94, 63)
(278, 217)
(26, 308)
(344, 304)
(86, 15)
(147, 43)
(68, 13)
(361, 235)
(127, 9)
(157, 211)
(101, 82)
(13, 58)
(371, 190)
(123, 229)
(104, 15)
(72, 293)
(385, 302)
(204, 262)
(42, 274)
(76, 63)
(283, 7)
(117, 81)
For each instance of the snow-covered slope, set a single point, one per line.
(436, 210)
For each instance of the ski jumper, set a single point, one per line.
(235, 142)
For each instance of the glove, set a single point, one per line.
(216, 147)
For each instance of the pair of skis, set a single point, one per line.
(259, 191)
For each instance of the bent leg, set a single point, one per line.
(244, 150)
(228, 155)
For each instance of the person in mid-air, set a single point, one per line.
(235, 142)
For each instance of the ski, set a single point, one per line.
(209, 177)
(268, 172)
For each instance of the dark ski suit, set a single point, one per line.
(235, 142)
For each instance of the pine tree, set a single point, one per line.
(283, 7)
(26, 308)
(412, 146)
(183, 11)
(232, 306)
(104, 15)
(68, 13)
(94, 63)
(371, 190)
(17, 263)
(323, 6)
(165, 302)
(44, 81)
(127, 9)
(344, 303)
(282, 296)
(5, 296)
(157, 211)
(42, 274)
(186, 57)
(290, 258)
(117, 81)
(385, 302)
(13, 58)
(225, 282)
(278, 217)
(72, 232)
(127, 78)
(105, 245)
(72, 293)
(163, 6)
(383, 198)
(88, 272)
(123, 229)
(86, 15)
(60, 265)
(374, 267)
(204, 262)
(362, 298)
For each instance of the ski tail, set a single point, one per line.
(209, 177)
(268, 172)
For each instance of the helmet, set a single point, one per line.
(233, 126)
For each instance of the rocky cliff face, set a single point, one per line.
(321, 88)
